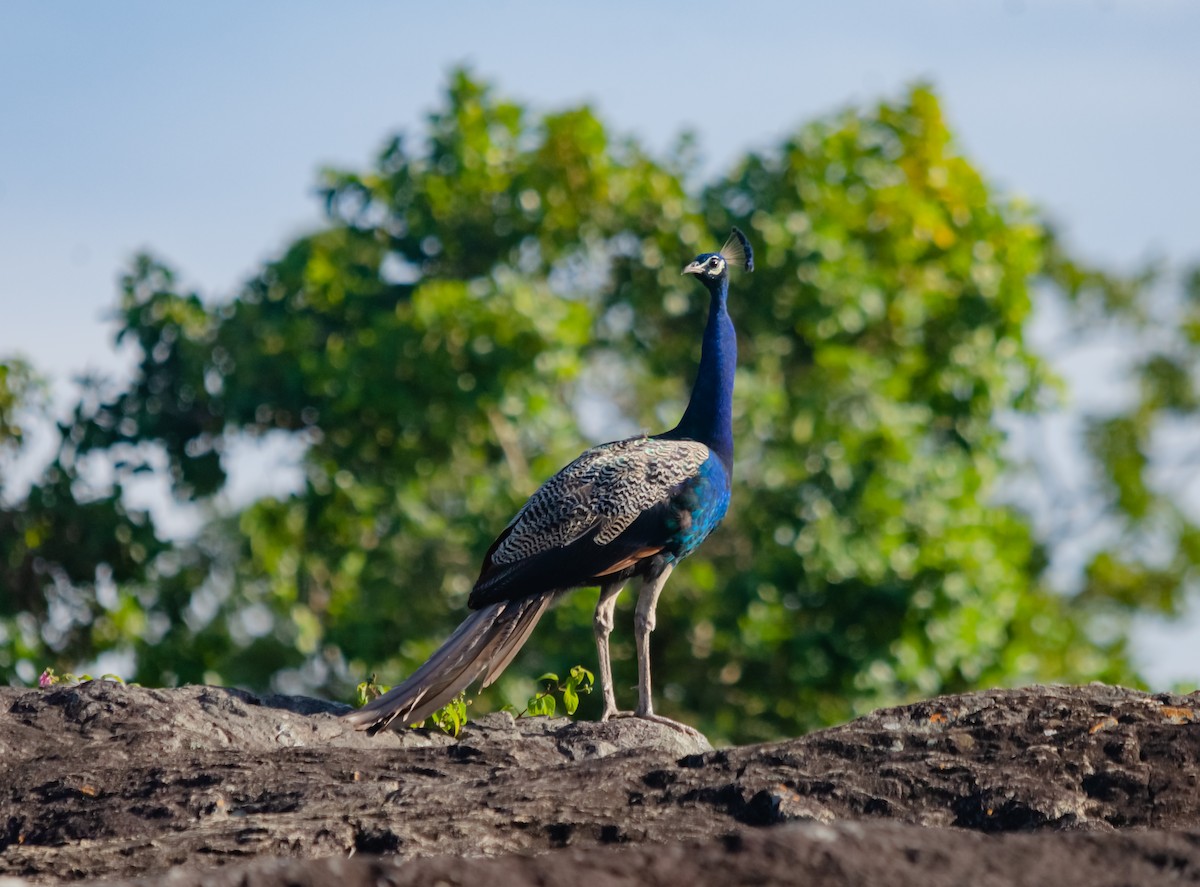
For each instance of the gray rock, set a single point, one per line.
(1066, 785)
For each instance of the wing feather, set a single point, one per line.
(574, 528)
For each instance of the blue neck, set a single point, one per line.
(709, 414)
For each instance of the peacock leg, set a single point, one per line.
(643, 624)
(602, 624)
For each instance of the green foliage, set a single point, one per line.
(72, 558)
(20, 390)
(367, 690)
(48, 678)
(452, 716)
(480, 293)
(1143, 458)
(544, 702)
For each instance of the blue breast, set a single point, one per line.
(702, 504)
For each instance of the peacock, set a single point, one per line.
(633, 507)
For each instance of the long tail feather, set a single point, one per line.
(481, 647)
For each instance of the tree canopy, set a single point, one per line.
(499, 290)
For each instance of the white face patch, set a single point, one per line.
(714, 266)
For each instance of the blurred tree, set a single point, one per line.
(71, 558)
(1144, 448)
(474, 301)
(20, 391)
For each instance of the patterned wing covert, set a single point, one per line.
(603, 491)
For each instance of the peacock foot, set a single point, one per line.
(659, 719)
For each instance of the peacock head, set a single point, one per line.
(712, 267)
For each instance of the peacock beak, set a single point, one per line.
(694, 268)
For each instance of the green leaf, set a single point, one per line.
(570, 699)
(541, 705)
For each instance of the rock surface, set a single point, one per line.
(1067, 785)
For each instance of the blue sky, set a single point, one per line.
(196, 129)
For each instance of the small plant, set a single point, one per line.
(49, 679)
(368, 690)
(544, 703)
(452, 716)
